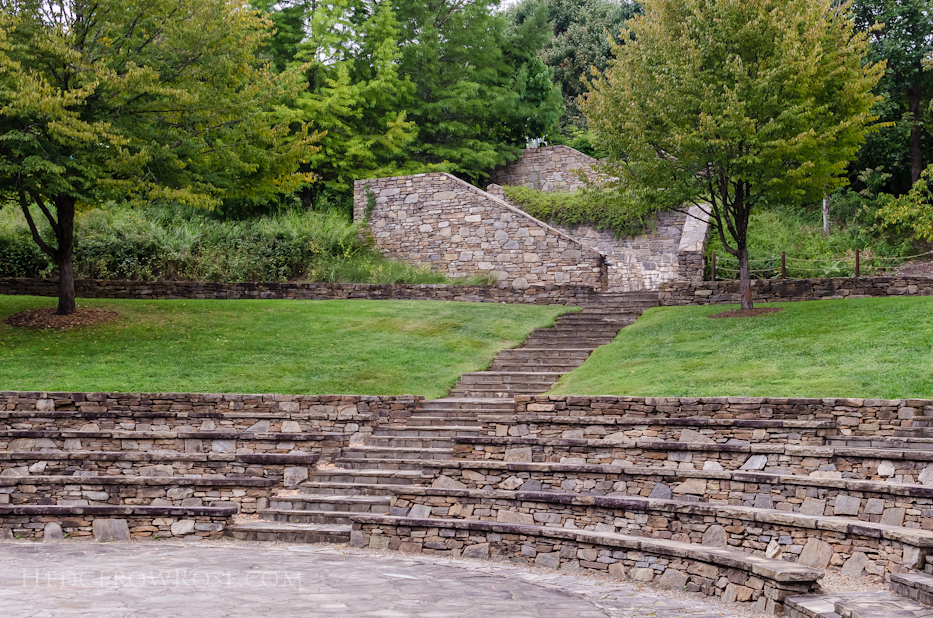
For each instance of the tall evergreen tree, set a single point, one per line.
(480, 91)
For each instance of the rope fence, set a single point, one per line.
(834, 266)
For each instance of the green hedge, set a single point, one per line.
(165, 243)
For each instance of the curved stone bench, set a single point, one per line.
(112, 522)
(729, 574)
(243, 492)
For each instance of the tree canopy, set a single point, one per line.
(124, 99)
(727, 104)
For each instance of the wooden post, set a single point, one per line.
(783, 265)
(713, 266)
(857, 265)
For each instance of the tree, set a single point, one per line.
(902, 36)
(581, 37)
(726, 104)
(480, 92)
(138, 100)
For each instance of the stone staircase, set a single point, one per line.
(548, 353)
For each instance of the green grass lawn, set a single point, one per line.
(871, 348)
(265, 346)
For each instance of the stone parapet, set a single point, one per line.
(168, 290)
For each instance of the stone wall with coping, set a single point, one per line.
(761, 583)
(853, 417)
(779, 535)
(167, 290)
(779, 290)
(174, 523)
(548, 168)
(438, 221)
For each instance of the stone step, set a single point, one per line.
(896, 444)
(415, 463)
(468, 403)
(459, 420)
(310, 516)
(379, 452)
(336, 488)
(347, 503)
(367, 477)
(855, 605)
(543, 342)
(415, 443)
(505, 377)
(550, 367)
(475, 392)
(544, 353)
(426, 431)
(915, 586)
(289, 532)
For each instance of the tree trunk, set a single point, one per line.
(825, 215)
(745, 278)
(916, 154)
(65, 205)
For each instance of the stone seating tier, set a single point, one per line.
(164, 491)
(728, 574)
(112, 522)
(290, 468)
(858, 547)
(902, 466)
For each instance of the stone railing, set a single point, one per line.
(777, 290)
(549, 168)
(164, 290)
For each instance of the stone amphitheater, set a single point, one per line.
(745, 501)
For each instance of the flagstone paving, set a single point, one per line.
(147, 579)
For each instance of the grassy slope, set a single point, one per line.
(256, 346)
(871, 348)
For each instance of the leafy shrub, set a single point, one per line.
(167, 243)
(588, 206)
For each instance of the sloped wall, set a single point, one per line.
(439, 221)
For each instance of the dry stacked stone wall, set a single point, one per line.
(776, 290)
(167, 290)
(439, 221)
(671, 249)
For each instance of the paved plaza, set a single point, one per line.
(129, 580)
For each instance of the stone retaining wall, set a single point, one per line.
(165, 290)
(438, 221)
(869, 417)
(778, 290)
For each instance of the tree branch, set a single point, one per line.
(24, 203)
